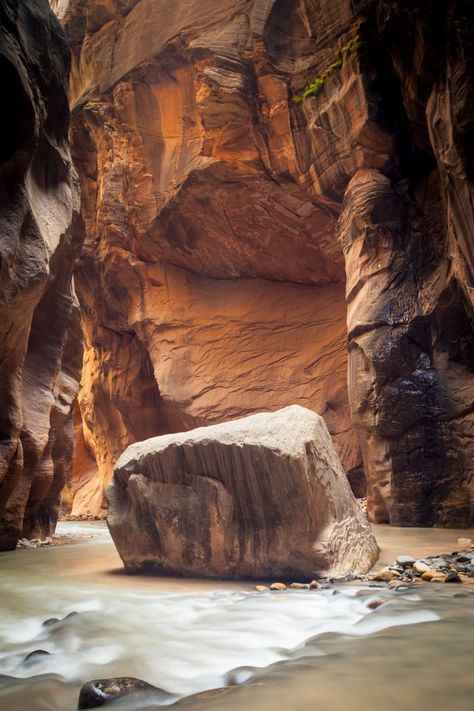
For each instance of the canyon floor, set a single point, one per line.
(338, 648)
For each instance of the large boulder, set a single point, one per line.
(263, 496)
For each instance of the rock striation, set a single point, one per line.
(260, 497)
(40, 334)
(225, 216)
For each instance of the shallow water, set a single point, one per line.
(302, 647)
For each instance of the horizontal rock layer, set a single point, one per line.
(264, 496)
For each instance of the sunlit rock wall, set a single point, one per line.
(40, 334)
(220, 214)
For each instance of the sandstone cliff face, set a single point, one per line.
(40, 343)
(220, 214)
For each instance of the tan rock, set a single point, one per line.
(278, 586)
(314, 585)
(438, 578)
(225, 501)
(385, 574)
(298, 586)
(428, 575)
(261, 588)
(420, 567)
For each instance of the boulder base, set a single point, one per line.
(263, 496)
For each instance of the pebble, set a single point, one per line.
(420, 567)
(405, 560)
(374, 604)
(385, 574)
(452, 577)
(261, 588)
(438, 578)
(278, 586)
(314, 585)
(298, 586)
(34, 543)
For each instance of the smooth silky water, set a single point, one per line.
(324, 647)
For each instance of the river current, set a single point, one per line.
(271, 651)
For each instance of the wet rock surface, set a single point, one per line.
(40, 344)
(102, 692)
(257, 497)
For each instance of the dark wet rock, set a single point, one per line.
(453, 577)
(35, 656)
(100, 692)
(374, 604)
(50, 622)
(465, 557)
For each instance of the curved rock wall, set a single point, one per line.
(220, 209)
(40, 342)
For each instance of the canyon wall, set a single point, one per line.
(242, 164)
(40, 344)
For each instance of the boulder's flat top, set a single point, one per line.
(267, 429)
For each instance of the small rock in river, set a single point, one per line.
(103, 691)
(278, 586)
(50, 622)
(406, 561)
(298, 586)
(314, 585)
(420, 567)
(452, 577)
(374, 604)
(25, 543)
(261, 588)
(238, 676)
(438, 578)
(35, 656)
(385, 574)
(428, 575)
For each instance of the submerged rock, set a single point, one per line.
(100, 692)
(264, 496)
(35, 656)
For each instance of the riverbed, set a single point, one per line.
(329, 648)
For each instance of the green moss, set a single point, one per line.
(350, 47)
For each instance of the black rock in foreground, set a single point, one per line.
(100, 692)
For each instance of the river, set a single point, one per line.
(293, 648)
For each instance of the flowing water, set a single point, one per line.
(291, 648)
